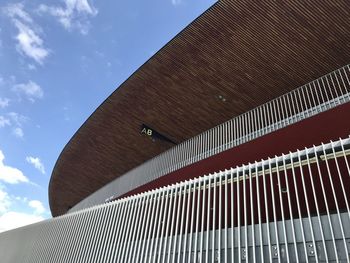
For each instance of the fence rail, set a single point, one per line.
(290, 208)
(317, 96)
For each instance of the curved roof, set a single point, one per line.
(246, 52)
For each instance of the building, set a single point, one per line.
(229, 144)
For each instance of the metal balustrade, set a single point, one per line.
(317, 96)
(290, 208)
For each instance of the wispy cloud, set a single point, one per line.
(4, 122)
(10, 174)
(36, 162)
(4, 102)
(30, 43)
(17, 11)
(6, 82)
(28, 38)
(75, 14)
(14, 211)
(18, 132)
(11, 220)
(5, 201)
(17, 119)
(38, 206)
(176, 2)
(31, 67)
(31, 90)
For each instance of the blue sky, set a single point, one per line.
(58, 61)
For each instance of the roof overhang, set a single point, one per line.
(234, 57)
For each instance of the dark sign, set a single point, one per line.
(153, 134)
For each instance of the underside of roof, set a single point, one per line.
(234, 57)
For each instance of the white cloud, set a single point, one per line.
(37, 205)
(74, 15)
(16, 10)
(176, 2)
(17, 118)
(37, 163)
(4, 122)
(11, 217)
(11, 220)
(14, 120)
(10, 174)
(4, 102)
(30, 43)
(31, 67)
(21, 198)
(31, 90)
(5, 201)
(6, 82)
(28, 37)
(18, 132)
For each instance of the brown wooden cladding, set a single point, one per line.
(247, 51)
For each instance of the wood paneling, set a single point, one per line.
(246, 51)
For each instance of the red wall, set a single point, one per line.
(326, 126)
(323, 127)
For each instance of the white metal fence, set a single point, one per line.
(317, 96)
(290, 208)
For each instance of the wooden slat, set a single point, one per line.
(248, 51)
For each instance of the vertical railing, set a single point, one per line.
(290, 208)
(317, 96)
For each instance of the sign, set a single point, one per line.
(153, 134)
